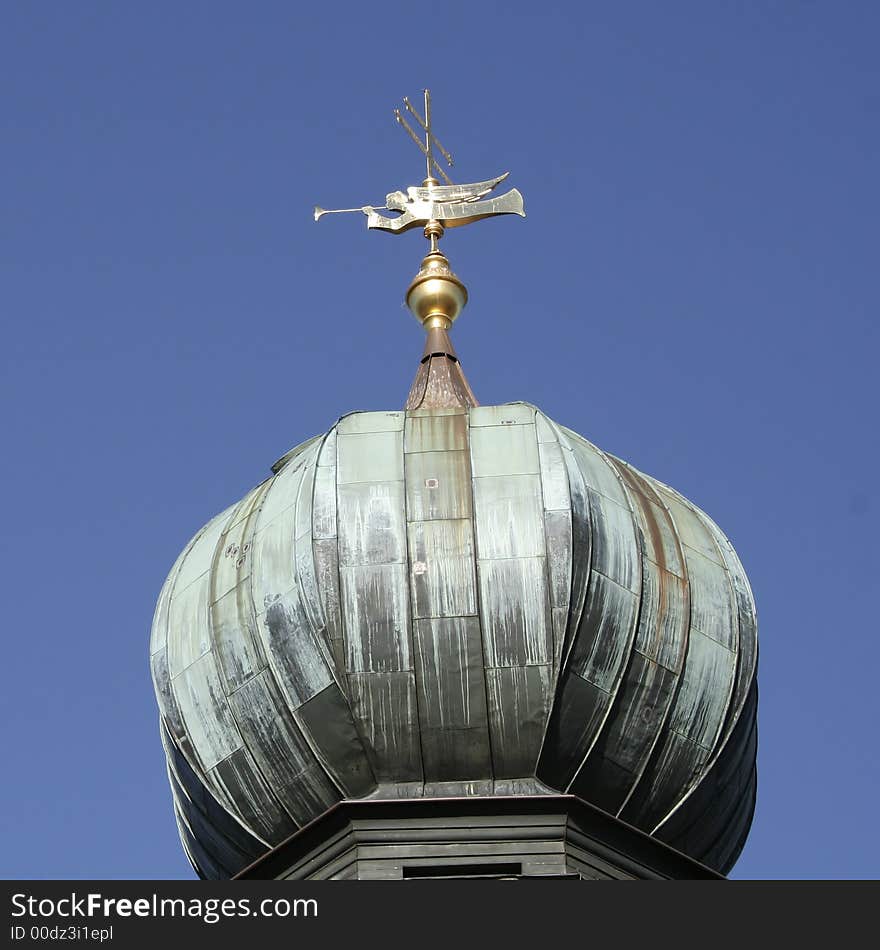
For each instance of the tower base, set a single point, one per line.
(507, 838)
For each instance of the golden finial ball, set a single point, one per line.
(436, 296)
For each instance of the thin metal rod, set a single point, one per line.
(428, 152)
(434, 139)
(422, 149)
(409, 130)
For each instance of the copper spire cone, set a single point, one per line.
(440, 382)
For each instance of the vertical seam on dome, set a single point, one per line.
(719, 740)
(255, 514)
(722, 737)
(329, 657)
(252, 503)
(661, 726)
(340, 677)
(192, 757)
(288, 712)
(730, 557)
(343, 624)
(665, 729)
(478, 600)
(631, 635)
(322, 642)
(558, 663)
(409, 594)
(252, 519)
(573, 622)
(195, 759)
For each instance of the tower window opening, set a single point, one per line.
(415, 872)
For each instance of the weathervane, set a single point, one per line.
(436, 296)
(432, 205)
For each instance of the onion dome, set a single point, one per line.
(455, 601)
(451, 602)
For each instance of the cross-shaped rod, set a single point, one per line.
(426, 148)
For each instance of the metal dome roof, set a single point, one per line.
(442, 602)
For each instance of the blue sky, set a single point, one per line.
(695, 289)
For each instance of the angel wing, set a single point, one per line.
(445, 193)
